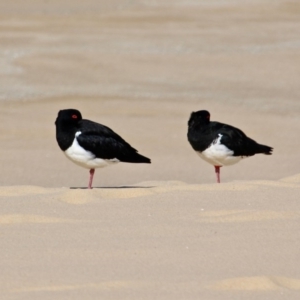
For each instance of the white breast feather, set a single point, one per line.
(84, 158)
(218, 154)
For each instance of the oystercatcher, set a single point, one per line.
(92, 145)
(220, 144)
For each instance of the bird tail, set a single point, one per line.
(136, 158)
(142, 159)
(264, 149)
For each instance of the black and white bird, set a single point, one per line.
(92, 145)
(220, 144)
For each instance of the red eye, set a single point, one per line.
(74, 117)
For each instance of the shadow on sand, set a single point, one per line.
(113, 187)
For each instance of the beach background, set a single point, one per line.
(165, 230)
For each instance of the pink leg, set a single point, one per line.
(92, 171)
(217, 169)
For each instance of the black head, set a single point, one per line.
(68, 117)
(198, 118)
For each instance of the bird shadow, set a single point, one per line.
(112, 187)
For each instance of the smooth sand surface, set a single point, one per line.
(165, 230)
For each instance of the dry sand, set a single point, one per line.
(165, 230)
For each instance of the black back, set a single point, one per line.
(202, 133)
(100, 140)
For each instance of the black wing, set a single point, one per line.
(237, 141)
(106, 144)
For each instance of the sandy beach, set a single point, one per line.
(165, 230)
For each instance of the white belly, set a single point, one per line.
(86, 159)
(219, 155)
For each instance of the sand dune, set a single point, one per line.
(165, 230)
(164, 238)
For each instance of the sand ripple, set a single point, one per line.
(230, 216)
(22, 218)
(257, 283)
